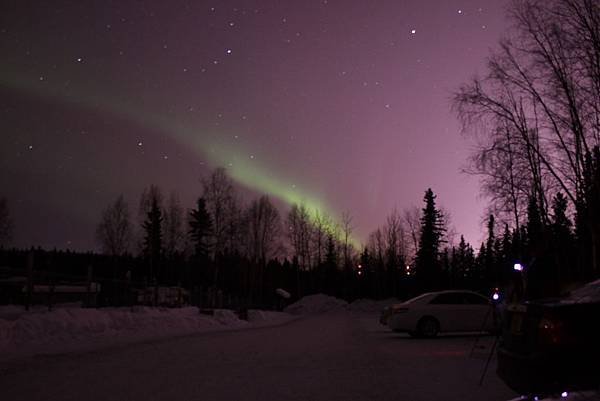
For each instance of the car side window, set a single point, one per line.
(473, 299)
(448, 299)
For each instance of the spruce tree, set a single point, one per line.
(459, 261)
(539, 264)
(432, 229)
(153, 237)
(507, 257)
(200, 229)
(534, 226)
(331, 264)
(562, 238)
(489, 257)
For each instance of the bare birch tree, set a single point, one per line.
(113, 233)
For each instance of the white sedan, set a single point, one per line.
(443, 311)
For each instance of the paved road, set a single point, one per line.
(328, 357)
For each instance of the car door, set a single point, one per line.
(449, 309)
(479, 314)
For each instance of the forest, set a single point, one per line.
(534, 120)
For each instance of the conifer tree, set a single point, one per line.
(534, 226)
(153, 237)
(6, 225)
(200, 228)
(489, 257)
(432, 229)
(331, 264)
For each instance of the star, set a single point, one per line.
(79, 59)
(413, 31)
(228, 51)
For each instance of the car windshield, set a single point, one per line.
(417, 299)
(588, 293)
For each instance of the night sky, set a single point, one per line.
(342, 104)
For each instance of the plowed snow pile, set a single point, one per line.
(72, 328)
(317, 303)
(369, 305)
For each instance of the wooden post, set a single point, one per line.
(29, 290)
(50, 293)
(88, 299)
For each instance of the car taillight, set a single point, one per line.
(551, 331)
(399, 310)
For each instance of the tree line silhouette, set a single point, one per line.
(534, 117)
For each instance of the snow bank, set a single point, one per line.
(317, 303)
(369, 305)
(68, 328)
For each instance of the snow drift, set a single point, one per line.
(369, 305)
(70, 328)
(318, 303)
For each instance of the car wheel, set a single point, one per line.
(428, 327)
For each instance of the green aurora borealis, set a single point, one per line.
(243, 170)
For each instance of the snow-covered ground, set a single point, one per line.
(371, 306)
(325, 356)
(320, 303)
(70, 328)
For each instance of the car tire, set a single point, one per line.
(428, 327)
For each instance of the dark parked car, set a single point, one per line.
(552, 345)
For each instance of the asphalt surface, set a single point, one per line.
(341, 356)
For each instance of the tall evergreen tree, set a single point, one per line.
(534, 227)
(489, 258)
(153, 238)
(331, 265)
(6, 225)
(200, 226)
(459, 269)
(562, 239)
(539, 263)
(507, 257)
(587, 219)
(432, 229)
